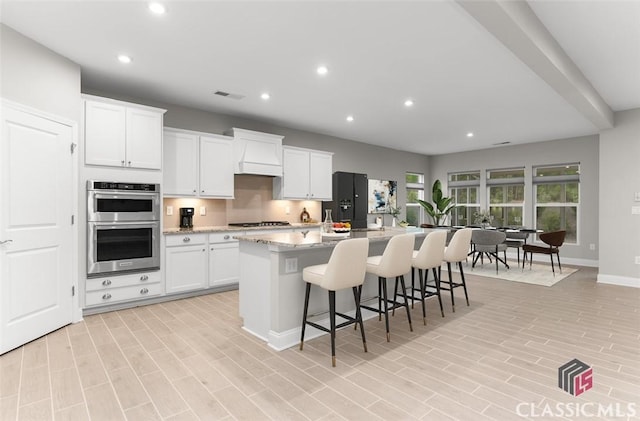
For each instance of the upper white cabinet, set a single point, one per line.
(306, 175)
(197, 164)
(121, 134)
(256, 152)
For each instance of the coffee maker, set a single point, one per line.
(186, 217)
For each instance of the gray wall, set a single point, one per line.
(583, 150)
(375, 161)
(620, 173)
(36, 76)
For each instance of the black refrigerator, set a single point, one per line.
(349, 202)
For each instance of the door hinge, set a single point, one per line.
(73, 147)
(73, 291)
(73, 219)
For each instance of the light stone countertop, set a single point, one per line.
(316, 239)
(223, 228)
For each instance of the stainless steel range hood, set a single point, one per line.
(256, 153)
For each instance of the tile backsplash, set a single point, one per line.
(253, 202)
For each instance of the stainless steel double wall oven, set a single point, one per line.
(123, 227)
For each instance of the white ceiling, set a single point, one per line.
(461, 77)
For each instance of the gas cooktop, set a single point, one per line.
(259, 224)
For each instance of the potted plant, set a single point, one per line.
(483, 218)
(441, 207)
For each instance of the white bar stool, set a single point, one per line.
(394, 262)
(456, 252)
(346, 269)
(429, 256)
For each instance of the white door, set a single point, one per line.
(216, 167)
(36, 204)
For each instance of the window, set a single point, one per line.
(506, 196)
(463, 188)
(415, 192)
(557, 193)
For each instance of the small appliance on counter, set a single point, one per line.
(186, 217)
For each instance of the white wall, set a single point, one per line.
(36, 76)
(620, 173)
(583, 150)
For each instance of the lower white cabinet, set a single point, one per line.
(186, 262)
(114, 289)
(224, 259)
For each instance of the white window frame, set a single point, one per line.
(416, 186)
(505, 182)
(470, 207)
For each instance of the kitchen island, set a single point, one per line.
(271, 293)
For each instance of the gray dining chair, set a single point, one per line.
(489, 242)
(516, 240)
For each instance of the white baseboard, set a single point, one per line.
(624, 281)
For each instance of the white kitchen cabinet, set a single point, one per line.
(120, 134)
(216, 166)
(186, 261)
(224, 259)
(306, 175)
(197, 164)
(180, 164)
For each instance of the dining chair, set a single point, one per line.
(516, 240)
(553, 240)
(489, 242)
(346, 269)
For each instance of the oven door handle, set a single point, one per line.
(127, 224)
(127, 195)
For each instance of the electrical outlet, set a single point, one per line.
(169, 210)
(203, 211)
(637, 260)
(287, 210)
(592, 247)
(635, 210)
(291, 265)
(637, 196)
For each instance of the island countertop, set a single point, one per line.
(225, 228)
(316, 239)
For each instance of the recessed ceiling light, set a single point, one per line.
(124, 59)
(157, 8)
(322, 70)
(349, 118)
(408, 103)
(470, 134)
(265, 96)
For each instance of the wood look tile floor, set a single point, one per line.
(189, 360)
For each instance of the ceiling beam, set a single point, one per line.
(516, 26)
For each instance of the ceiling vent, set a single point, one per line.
(501, 143)
(228, 95)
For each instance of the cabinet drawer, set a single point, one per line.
(142, 278)
(115, 295)
(225, 237)
(185, 239)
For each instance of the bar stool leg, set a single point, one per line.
(413, 276)
(395, 297)
(304, 313)
(379, 299)
(356, 297)
(453, 302)
(406, 302)
(383, 281)
(332, 321)
(464, 283)
(436, 276)
(423, 289)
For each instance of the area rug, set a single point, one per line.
(537, 275)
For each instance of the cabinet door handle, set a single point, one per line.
(6, 242)
(186, 239)
(211, 248)
(144, 290)
(226, 237)
(122, 162)
(194, 190)
(106, 282)
(144, 278)
(129, 163)
(204, 249)
(106, 296)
